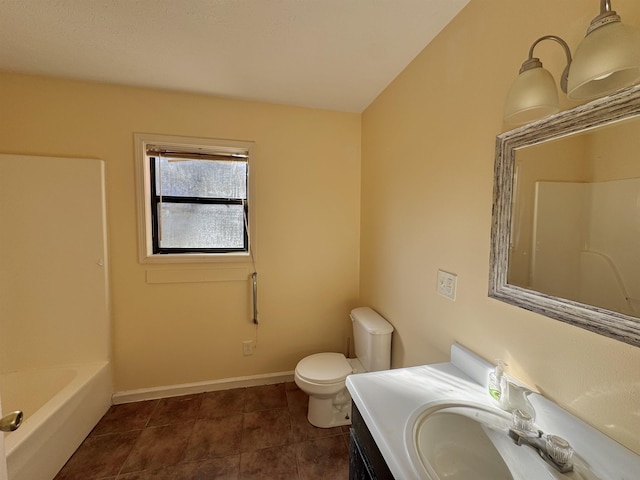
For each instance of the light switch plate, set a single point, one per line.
(248, 347)
(447, 284)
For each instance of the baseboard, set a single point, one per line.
(153, 393)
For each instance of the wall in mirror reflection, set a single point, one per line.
(575, 229)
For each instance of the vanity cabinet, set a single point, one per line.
(365, 460)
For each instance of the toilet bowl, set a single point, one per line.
(323, 375)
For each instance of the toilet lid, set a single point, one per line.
(324, 368)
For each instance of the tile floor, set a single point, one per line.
(245, 433)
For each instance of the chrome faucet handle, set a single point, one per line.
(559, 449)
(554, 450)
(523, 421)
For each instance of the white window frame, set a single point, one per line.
(143, 194)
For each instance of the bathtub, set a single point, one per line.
(61, 405)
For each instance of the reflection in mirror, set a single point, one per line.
(576, 218)
(566, 217)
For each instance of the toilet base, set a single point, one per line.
(330, 412)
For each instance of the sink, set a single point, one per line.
(470, 442)
(455, 442)
(438, 422)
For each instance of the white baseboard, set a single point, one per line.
(154, 393)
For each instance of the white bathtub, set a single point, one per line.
(61, 405)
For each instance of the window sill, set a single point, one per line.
(196, 258)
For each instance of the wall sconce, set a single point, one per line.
(607, 59)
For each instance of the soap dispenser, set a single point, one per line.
(495, 380)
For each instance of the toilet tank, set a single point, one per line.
(372, 339)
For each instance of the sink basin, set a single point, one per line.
(470, 442)
(455, 442)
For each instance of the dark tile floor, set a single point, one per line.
(245, 433)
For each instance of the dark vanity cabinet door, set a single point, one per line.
(365, 460)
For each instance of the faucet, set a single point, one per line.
(555, 450)
(515, 397)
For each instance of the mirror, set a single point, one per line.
(565, 237)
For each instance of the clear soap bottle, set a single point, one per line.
(495, 380)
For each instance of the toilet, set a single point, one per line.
(322, 375)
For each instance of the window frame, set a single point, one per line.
(145, 201)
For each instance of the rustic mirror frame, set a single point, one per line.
(622, 105)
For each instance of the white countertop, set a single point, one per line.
(388, 400)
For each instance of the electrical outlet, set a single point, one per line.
(447, 284)
(248, 347)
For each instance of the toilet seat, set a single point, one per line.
(324, 368)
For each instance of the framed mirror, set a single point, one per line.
(565, 236)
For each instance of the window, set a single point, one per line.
(194, 199)
(198, 202)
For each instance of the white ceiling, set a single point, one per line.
(331, 54)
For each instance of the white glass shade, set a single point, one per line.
(533, 95)
(606, 60)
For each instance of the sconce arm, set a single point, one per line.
(535, 62)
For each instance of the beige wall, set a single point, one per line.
(307, 164)
(427, 172)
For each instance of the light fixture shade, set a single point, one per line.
(606, 60)
(533, 95)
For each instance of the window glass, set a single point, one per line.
(202, 178)
(202, 226)
(200, 205)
